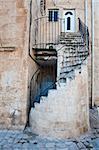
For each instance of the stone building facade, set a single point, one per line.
(14, 33)
(23, 36)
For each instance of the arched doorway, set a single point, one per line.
(69, 21)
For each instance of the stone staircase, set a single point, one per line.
(64, 112)
(53, 115)
(47, 103)
(71, 38)
(74, 53)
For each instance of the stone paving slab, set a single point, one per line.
(19, 140)
(16, 140)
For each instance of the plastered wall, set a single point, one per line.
(14, 35)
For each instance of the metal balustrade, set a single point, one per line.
(46, 32)
(83, 29)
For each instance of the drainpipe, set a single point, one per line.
(92, 45)
(86, 21)
(29, 53)
(86, 12)
(92, 50)
(30, 27)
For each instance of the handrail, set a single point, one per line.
(83, 29)
(47, 32)
(47, 18)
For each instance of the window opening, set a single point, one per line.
(53, 15)
(68, 23)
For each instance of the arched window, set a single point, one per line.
(68, 23)
(70, 13)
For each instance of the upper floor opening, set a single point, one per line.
(53, 19)
(49, 27)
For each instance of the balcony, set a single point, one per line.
(47, 32)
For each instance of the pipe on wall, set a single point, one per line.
(92, 45)
(30, 27)
(86, 22)
(86, 12)
(92, 50)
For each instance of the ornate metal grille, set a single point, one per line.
(42, 7)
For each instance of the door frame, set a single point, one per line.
(71, 15)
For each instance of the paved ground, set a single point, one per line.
(18, 140)
(15, 140)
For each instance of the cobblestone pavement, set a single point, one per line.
(18, 140)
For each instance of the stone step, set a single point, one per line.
(73, 59)
(71, 38)
(77, 60)
(79, 54)
(52, 91)
(75, 49)
(71, 34)
(66, 76)
(67, 63)
(66, 70)
(70, 68)
(74, 35)
(43, 98)
(36, 104)
(74, 52)
(72, 44)
(71, 74)
(41, 106)
(72, 62)
(73, 55)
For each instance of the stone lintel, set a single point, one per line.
(7, 49)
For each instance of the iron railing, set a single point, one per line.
(47, 32)
(83, 29)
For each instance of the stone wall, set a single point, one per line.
(89, 59)
(52, 30)
(32, 65)
(96, 54)
(16, 67)
(71, 4)
(14, 37)
(35, 5)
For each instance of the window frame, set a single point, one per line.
(53, 15)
